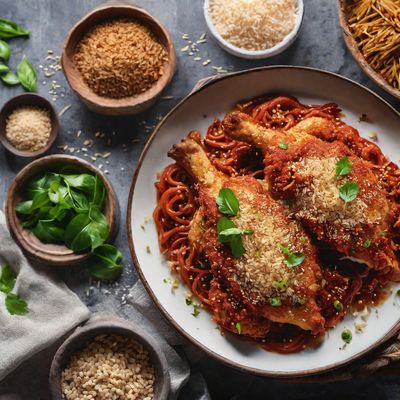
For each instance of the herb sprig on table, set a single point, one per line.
(26, 74)
(14, 304)
(66, 207)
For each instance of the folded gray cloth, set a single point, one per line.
(53, 308)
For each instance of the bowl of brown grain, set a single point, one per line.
(109, 358)
(118, 59)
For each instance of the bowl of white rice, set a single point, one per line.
(254, 29)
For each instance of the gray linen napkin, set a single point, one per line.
(149, 317)
(53, 308)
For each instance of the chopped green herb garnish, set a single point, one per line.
(275, 301)
(343, 166)
(283, 145)
(196, 311)
(338, 305)
(347, 336)
(238, 328)
(303, 239)
(348, 192)
(227, 202)
(302, 300)
(188, 301)
(398, 292)
(367, 243)
(258, 253)
(282, 284)
(165, 280)
(292, 259)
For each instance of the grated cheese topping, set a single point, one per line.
(262, 266)
(253, 24)
(318, 199)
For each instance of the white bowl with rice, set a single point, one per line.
(254, 29)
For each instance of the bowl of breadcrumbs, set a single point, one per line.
(109, 359)
(28, 125)
(118, 59)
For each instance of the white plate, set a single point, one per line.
(197, 112)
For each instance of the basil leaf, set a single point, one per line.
(348, 192)
(237, 246)
(283, 146)
(84, 182)
(80, 201)
(40, 200)
(27, 75)
(226, 233)
(9, 29)
(105, 263)
(86, 230)
(224, 224)
(5, 50)
(227, 202)
(275, 301)
(7, 279)
(343, 166)
(10, 78)
(48, 232)
(294, 259)
(24, 207)
(41, 183)
(15, 305)
(367, 243)
(4, 69)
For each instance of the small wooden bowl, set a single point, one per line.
(33, 248)
(83, 335)
(23, 100)
(358, 56)
(127, 105)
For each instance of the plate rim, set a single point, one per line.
(254, 371)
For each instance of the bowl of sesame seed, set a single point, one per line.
(28, 125)
(118, 59)
(109, 358)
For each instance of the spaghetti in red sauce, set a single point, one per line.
(349, 283)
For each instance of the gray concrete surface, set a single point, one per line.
(320, 45)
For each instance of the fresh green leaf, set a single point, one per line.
(196, 311)
(4, 69)
(283, 146)
(348, 192)
(27, 75)
(48, 232)
(275, 301)
(40, 200)
(282, 284)
(238, 327)
(10, 78)
(7, 279)
(41, 183)
(367, 243)
(226, 235)
(15, 305)
(24, 207)
(343, 166)
(5, 50)
(9, 29)
(86, 230)
(237, 247)
(347, 336)
(223, 224)
(227, 202)
(294, 259)
(105, 262)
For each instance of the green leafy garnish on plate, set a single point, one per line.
(343, 166)
(348, 192)
(238, 327)
(283, 145)
(15, 305)
(227, 202)
(292, 259)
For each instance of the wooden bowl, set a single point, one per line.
(23, 100)
(127, 105)
(358, 56)
(99, 326)
(33, 248)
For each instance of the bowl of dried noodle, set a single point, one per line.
(371, 30)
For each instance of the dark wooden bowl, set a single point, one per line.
(28, 99)
(33, 248)
(127, 105)
(83, 335)
(357, 55)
